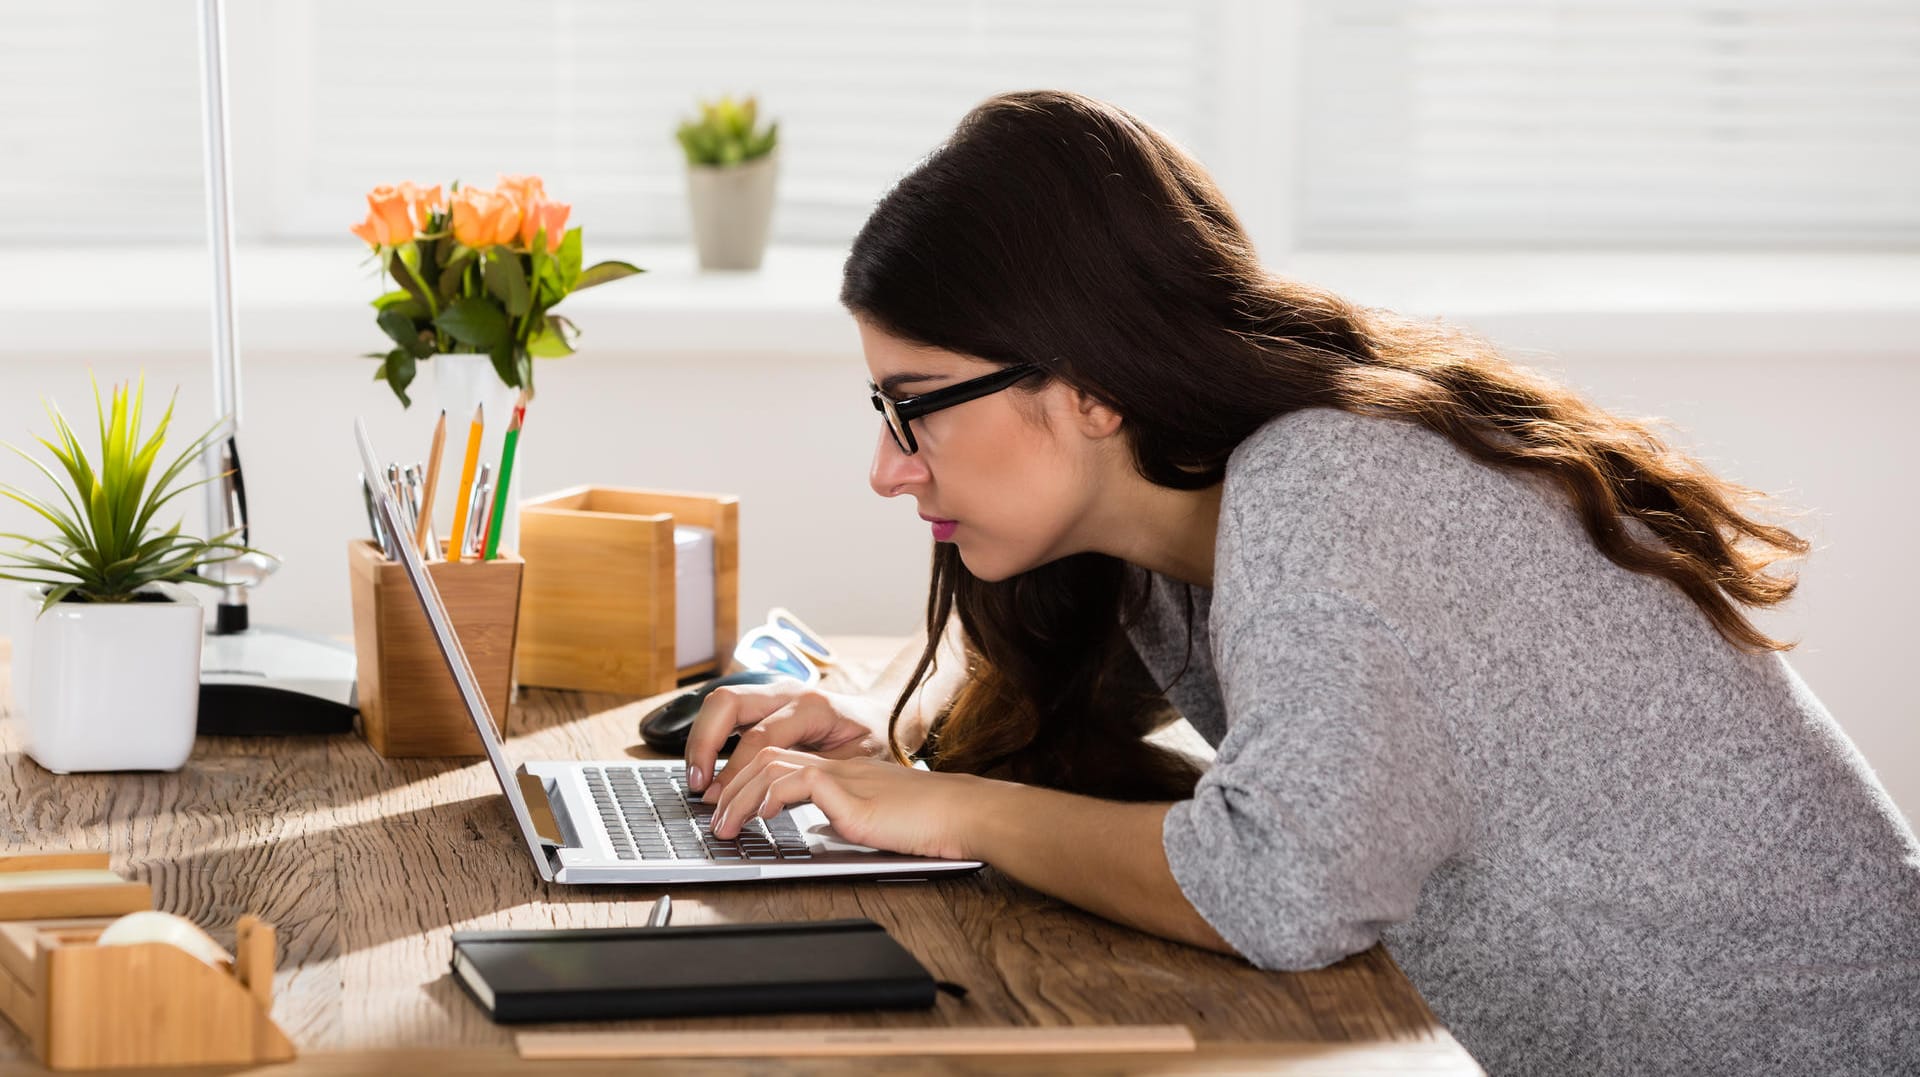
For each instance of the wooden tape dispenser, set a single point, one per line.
(94, 988)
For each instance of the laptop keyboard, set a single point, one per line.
(650, 815)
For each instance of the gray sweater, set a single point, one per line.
(1597, 837)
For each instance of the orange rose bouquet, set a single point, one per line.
(479, 271)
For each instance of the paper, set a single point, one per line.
(693, 595)
(57, 879)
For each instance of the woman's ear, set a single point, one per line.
(1094, 418)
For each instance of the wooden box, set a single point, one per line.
(409, 705)
(84, 1006)
(597, 610)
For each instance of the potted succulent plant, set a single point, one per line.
(731, 168)
(106, 662)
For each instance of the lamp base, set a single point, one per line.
(276, 682)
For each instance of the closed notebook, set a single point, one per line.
(610, 973)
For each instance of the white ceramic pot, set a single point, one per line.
(460, 382)
(114, 686)
(732, 209)
(23, 603)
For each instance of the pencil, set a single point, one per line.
(425, 526)
(505, 481)
(457, 537)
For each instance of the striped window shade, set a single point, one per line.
(1610, 123)
(100, 121)
(588, 94)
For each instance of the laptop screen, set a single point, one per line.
(450, 649)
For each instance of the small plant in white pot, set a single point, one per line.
(107, 660)
(731, 168)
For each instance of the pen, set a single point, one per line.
(373, 518)
(662, 909)
(424, 529)
(457, 538)
(412, 478)
(397, 489)
(505, 482)
(477, 511)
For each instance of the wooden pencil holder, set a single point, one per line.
(409, 705)
(85, 1006)
(598, 610)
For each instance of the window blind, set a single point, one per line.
(1435, 123)
(1602, 123)
(100, 121)
(588, 94)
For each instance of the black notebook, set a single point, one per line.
(609, 973)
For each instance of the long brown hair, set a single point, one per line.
(1051, 226)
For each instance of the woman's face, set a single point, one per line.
(1007, 478)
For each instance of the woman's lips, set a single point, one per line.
(942, 529)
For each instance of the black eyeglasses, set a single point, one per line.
(901, 412)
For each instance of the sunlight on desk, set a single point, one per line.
(367, 865)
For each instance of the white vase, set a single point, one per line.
(114, 685)
(732, 207)
(22, 606)
(459, 383)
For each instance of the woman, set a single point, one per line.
(1475, 654)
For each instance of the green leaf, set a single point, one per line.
(43, 469)
(70, 529)
(57, 596)
(404, 276)
(400, 370)
(763, 145)
(503, 365)
(602, 272)
(449, 283)
(568, 259)
(507, 282)
(403, 332)
(547, 341)
(475, 321)
(550, 288)
(404, 302)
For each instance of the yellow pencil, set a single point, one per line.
(425, 524)
(460, 499)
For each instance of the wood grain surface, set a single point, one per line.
(367, 865)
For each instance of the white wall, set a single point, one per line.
(1833, 436)
(792, 434)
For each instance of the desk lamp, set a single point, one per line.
(253, 679)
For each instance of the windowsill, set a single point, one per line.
(301, 300)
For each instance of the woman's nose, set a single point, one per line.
(894, 471)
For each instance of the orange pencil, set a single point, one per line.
(427, 487)
(464, 494)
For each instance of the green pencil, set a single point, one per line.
(499, 513)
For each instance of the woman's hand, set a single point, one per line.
(785, 714)
(870, 801)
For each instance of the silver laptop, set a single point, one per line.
(632, 820)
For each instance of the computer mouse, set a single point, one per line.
(665, 728)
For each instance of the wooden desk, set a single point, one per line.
(366, 865)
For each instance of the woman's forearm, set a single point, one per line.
(1103, 856)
